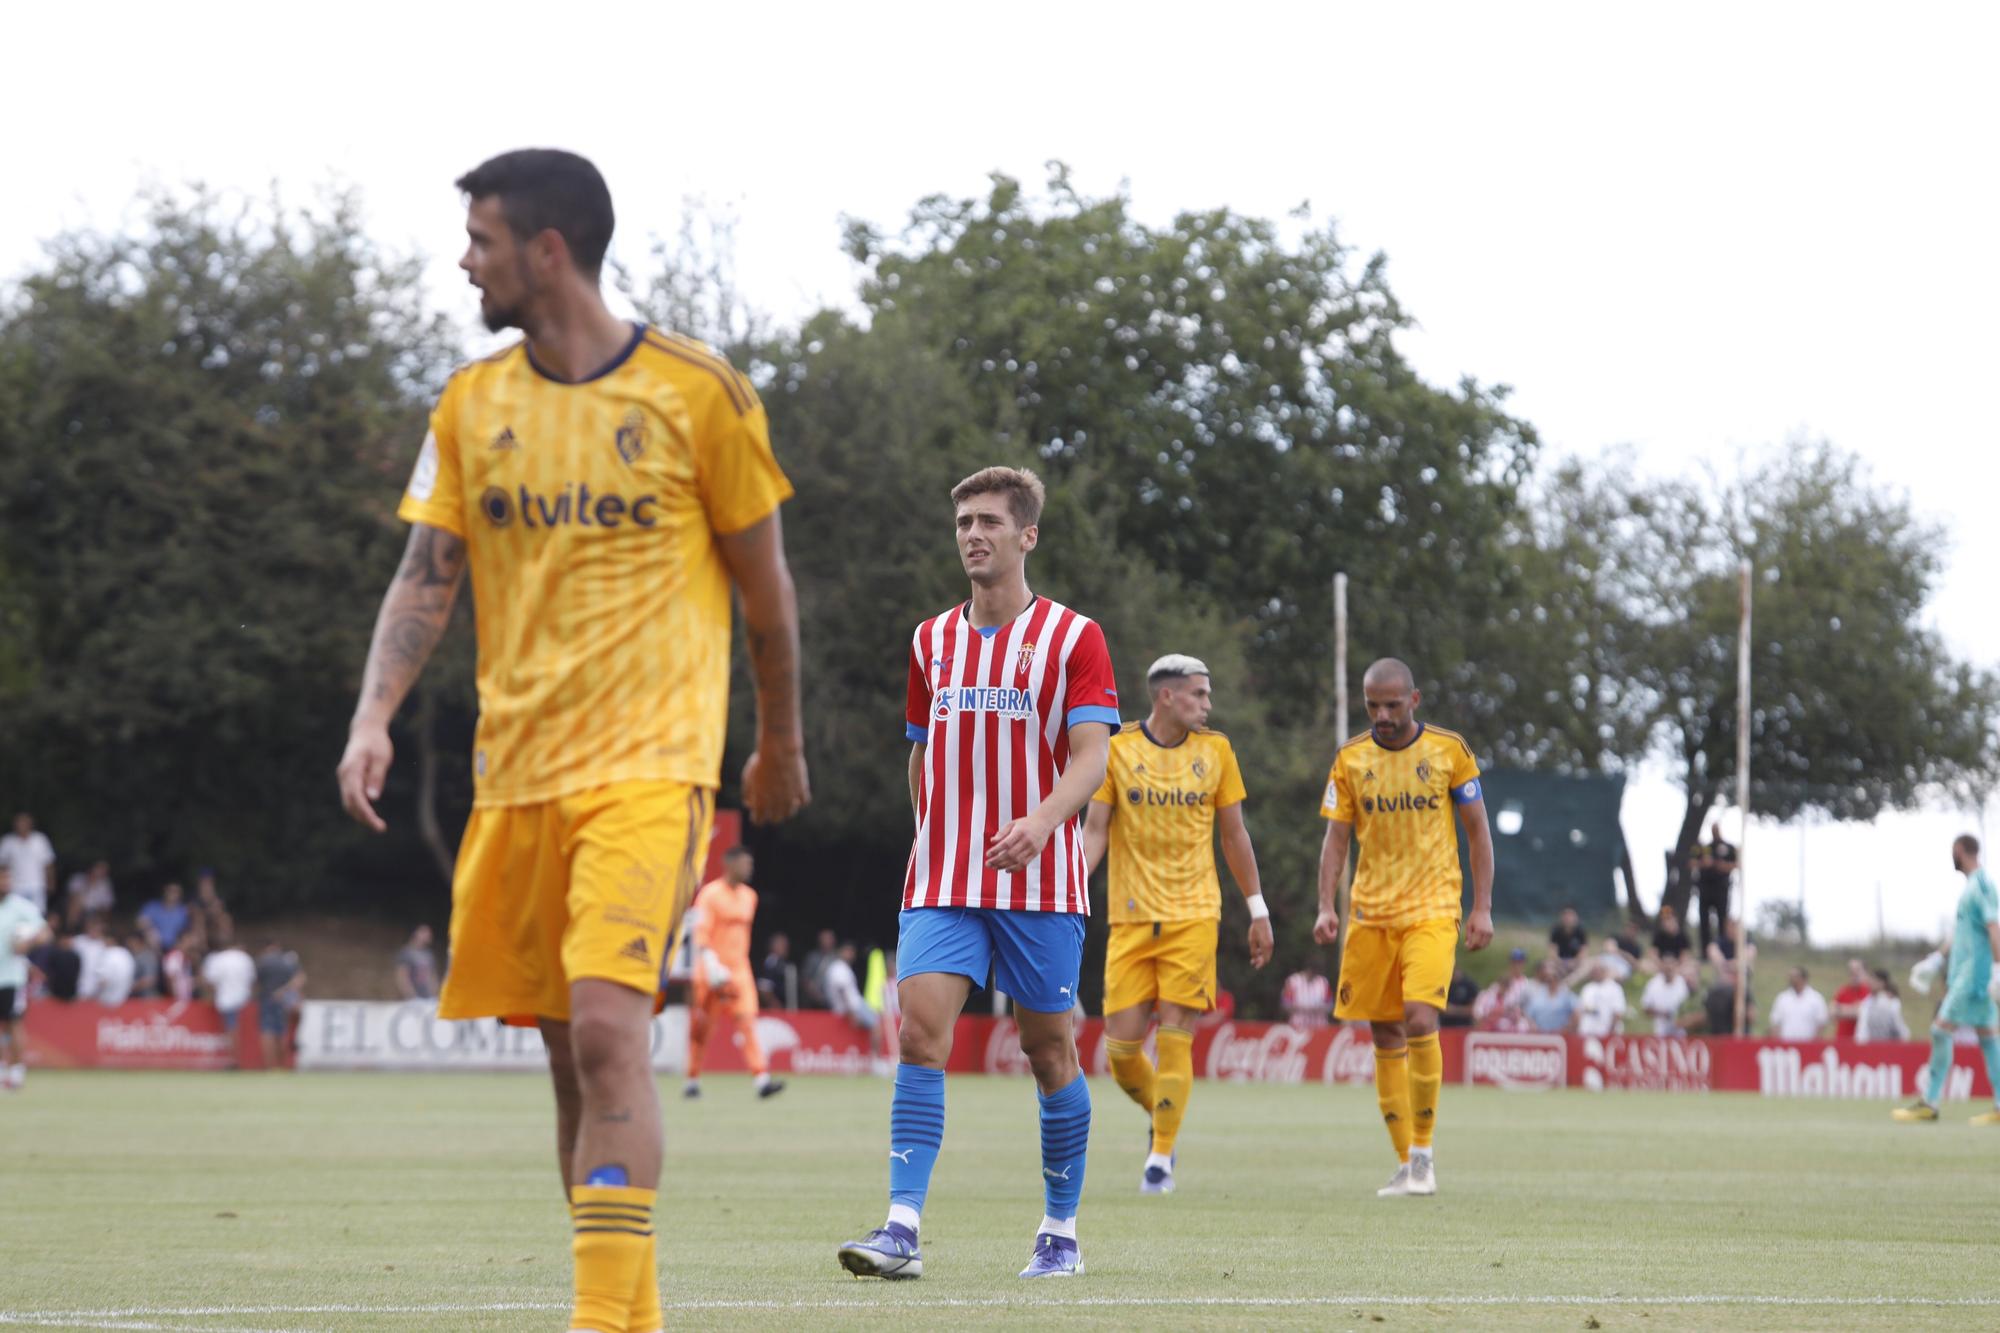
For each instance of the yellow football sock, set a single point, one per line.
(1133, 1071)
(613, 1235)
(1392, 1092)
(646, 1316)
(1171, 1089)
(1426, 1074)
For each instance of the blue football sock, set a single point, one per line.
(1065, 1136)
(1989, 1046)
(1940, 1065)
(916, 1129)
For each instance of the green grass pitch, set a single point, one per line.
(376, 1202)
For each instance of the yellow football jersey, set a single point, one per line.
(590, 512)
(1400, 803)
(1163, 801)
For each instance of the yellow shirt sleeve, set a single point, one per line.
(1230, 791)
(1107, 790)
(1464, 768)
(436, 493)
(1339, 801)
(741, 483)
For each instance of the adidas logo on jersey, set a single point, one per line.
(505, 439)
(637, 950)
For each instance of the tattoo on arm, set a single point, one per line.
(618, 1117)
(413, 616)
(774, 658)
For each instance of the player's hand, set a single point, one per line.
(1260, 942)
(1478, 931)
(1326, 930)
(363, 768)
(1014, 846)
(775, 785)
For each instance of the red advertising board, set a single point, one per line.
(160, 1034)
(138, 1034)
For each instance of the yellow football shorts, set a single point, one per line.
(592, 884)
(1385, 967)
(1169, 961)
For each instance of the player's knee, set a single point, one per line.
(1419, 1020)
(605, 1044)
(1388, 1036)
(1052, 1057)
(925, 1044)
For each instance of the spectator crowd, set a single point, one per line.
(173, 947)
(1575, 988)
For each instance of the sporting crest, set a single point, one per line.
(1024, 661)
(1423, 770)
(632, 436)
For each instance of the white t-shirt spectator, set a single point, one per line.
(1600, 1009)
(115, 969)
(89, 961)
(1308, 999)
(1798, 1015)
(28, 860)
(1662, 1000)
(843, 993)
(229, 975)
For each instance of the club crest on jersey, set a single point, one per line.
(631, 437)
(1199, 768)
(1024, 662)
(1423, 770)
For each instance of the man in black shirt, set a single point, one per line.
(1670, 937)
(774, 985)
(1568, 936)
(1714, 870)
(1458, 1001)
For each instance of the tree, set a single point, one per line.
(206, 426)
(1856, 706)
(1232, 402)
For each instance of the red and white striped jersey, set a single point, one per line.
(993, 712)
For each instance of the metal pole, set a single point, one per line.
(1341, 901)
(1742, 782)
(1340, 656)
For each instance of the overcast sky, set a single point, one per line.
(1700, 230)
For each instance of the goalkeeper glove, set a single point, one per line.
(1926, 972)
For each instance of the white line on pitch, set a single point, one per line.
(138, 1317)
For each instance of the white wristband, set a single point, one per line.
(1258, 912)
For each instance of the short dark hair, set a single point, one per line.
(738, 850)
(547, 188)
(1023, 490)
(1967, 843)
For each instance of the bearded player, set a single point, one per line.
(606, 485)
(1009, 711)
(1398, 788)
(1968, 998)
(1171, 783)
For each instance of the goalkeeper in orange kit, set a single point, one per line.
(723, 983)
